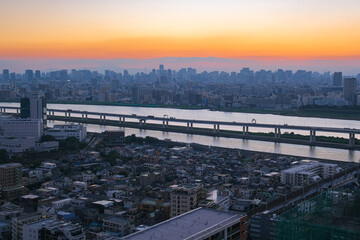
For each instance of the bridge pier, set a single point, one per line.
(17, 111)
(277, 132)
(312, 136)
(187, 125)
(142, 122)
(245, 130)
(352, 139)
(191, 125)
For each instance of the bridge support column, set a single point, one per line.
(215, 128)
(218, 127)
(191, 125)
(163, 124)
(82, 116)
(4, 110)
(86, 116)
(312, 136)
(167, 124)
(245, 130)
(187, 125)
(17, 111)
(104, 118)
(277, 132)
(352, 139)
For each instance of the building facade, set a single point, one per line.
(61, 132)
(185, 198)
(308, 173)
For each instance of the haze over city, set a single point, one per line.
(317, 35)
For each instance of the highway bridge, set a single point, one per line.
(165, 123)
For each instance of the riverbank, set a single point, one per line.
(345, 113)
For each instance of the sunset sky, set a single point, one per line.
(106, 29)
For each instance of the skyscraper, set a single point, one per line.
(337, 79)
(29, 75)
(350, 90)
(6, 74)
(37, 74)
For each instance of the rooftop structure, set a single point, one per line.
(200, 223)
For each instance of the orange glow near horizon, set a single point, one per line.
(298, 29)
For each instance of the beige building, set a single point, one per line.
(185, 198)
(11, 181)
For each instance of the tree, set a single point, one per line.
(47, 138)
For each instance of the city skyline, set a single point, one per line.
(264, 31)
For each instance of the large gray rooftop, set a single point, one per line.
(190, 225)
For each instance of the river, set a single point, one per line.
(261, 146)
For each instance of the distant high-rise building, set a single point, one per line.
(12, 76)
(350, 90)
(6, 74)
(37, 74)
(161, 70)
(337, 79)
(64, 75)
(29, 75)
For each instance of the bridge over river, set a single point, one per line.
(192, 126)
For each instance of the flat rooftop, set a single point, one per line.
(190, 225)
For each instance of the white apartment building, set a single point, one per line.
(17, 145)
(21, 128)
(53, 229)
(61, 132)
(308, 173)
